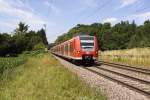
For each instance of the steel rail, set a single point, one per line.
(126, 67)
(146, 93)
(124, 75)
(133, 87)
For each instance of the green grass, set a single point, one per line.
(9, 63)
(139, 57)
(43, 78)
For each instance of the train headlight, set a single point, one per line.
(78, 52)
(96, 52)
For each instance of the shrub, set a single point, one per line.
(39, 46)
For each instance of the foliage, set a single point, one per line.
(21, 40)
(50, 45)
(120, 36)
(22, 28)
(42, 34)
(39, 46)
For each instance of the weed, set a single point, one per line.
(44, 78)
(137, 56)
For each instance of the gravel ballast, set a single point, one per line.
(112, 90)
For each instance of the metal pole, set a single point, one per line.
(45, 27)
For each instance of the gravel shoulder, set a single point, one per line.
(112, 90)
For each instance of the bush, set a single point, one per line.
(39, 46)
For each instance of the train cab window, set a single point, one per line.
(86, 38)
(87, 42)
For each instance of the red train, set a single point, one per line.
(82, 48)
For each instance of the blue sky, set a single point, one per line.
(61, 15)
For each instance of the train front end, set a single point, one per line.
(89, 49)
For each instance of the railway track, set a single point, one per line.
(126, 67)
(137, 84)
(131, 85)
(132, 82)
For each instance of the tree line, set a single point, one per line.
(21, 40)
(122, 35)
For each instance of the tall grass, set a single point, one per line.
(139, 57)
(7, 63)
(44, 78)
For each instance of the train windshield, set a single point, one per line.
(87, 42)
(87, 38)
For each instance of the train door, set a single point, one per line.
(71, 48)
(74, 48)
(68, 48)
(61, 49)
(64, 49)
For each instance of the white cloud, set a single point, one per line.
(55, 9)
(47, 3)
(89, 3)
(140, 17)
(125, 3)
(111, 20)
(7, 24)
(51, 6)
(21, 15)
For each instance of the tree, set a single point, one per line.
(5, 40)
(120, 36)
(21, 40)
(22, 28)
(42, 34)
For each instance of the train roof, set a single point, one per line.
(82, 35)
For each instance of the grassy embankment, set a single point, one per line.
(139, 56)
(41, 77)
(9, 63)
